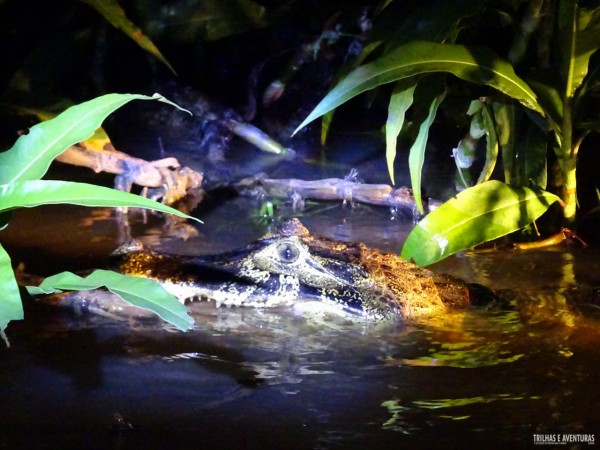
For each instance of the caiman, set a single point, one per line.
(290, 266)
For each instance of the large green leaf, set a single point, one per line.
(479, 214)
(400, 102)
(579, 31)
(11, 307)
(474, 64)
(115, 15)
(140, 292)
(32, 154)
(28, 194)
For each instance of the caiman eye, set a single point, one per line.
(287, 253)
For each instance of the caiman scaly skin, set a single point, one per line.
(290, 265)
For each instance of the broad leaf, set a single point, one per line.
(32, 154)
(479, 214)
(28, 194)
(474, 64)
(115, 15)
(11, 307)
(140, 292)
(400, 102)
(590, 85)
(579, 30)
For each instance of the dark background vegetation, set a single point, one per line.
(60, 51)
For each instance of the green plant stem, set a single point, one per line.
(568, 158)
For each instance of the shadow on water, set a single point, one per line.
(246, 378)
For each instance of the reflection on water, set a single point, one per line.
(246, 378)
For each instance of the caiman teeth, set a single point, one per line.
(190, 299)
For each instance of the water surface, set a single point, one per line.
(246, 378)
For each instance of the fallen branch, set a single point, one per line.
(337, 189)
(166, 178)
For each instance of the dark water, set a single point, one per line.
(273, 379)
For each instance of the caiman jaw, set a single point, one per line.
(230, 279)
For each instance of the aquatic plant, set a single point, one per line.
(550, 105)
(21, 170)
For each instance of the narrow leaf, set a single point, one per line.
(474, 64)
(115, 15)
(491, 145)
(32, 154)
(416, 156)
(191, 22)
(532, 150)
(28, 194)
(479, 214)
(505, 116)
(11, 307)
(546, 85)
(141, 292)
(325, 125)
(400, 101)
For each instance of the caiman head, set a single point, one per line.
(290, 266)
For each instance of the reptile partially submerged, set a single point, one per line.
(290, 266)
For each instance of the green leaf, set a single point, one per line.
(429, 96)
(11, 307)
(589, 87)
(532, 159)
(325, 125)
(140, 292)
(545, 84)
(400, 101)
(32, 154)
(579, 30)
(479, 214)
(474, 64)
(505, 115)
(207, 20)
(491, 144)
(115, 15)
(27, 194)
